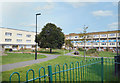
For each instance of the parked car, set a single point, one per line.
(10, 50)
(76, 53)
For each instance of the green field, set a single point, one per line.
(101, 54)
(54, 51)
(19, 57)
(89, 73)
(47, 51)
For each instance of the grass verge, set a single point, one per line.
(19, 57)
(87, 73)
(101, 54)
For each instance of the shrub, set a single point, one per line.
(33, 50)
(80, 49)
(21, 48)
(92, 51)
(107, 49)
(7, 49)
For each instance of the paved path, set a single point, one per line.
(70, 53)
(25, 63)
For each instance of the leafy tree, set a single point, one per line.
(51, 37)
(68, 44)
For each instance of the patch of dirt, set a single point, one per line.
(95, 55)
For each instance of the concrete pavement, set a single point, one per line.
(25, 63)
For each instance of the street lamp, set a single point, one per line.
(36, 36)
(84, 32)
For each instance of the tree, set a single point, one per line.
(84, 38)
(68, 44)
(51, 37)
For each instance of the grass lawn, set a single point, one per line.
(25, 50)
(101, 54)
(47, 51)
(54, 51)
(18, 57)
(91, 73)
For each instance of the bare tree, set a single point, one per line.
(84, 39)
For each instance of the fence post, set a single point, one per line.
(50, 73)
(102, 70)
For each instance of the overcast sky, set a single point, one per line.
(70, 16)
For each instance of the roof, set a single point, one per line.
(16, 29)
(90, 33)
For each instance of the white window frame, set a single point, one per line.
(28, 41)
(112, 43)
(8, 40)
(28, 36)
(8, 34)
(96, 35)
(19, 40)
(112, 34)
(19, 35)
(103, 43)
(103, 35)
(96, 43)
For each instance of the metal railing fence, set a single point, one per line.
(93, 70)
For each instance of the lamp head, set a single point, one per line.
(38, 14)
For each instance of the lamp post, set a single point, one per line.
(84, 32)
(36, 37)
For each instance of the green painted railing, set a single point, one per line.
(97, 69)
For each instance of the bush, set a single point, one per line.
(80, 49)
(92, 51)
(8, 49)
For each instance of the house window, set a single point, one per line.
(81, 36)
(28, 41)
(76, 36)
(103, 35)
(89, 36)
(88, 43)
(7, 46)
(111, 48)
(28, 35)
(104, 48)
(19, 35)
(112, 43)
(76, 44)
(96, 35)
(95, 43)
(82, 43)
(118, 34)
(19, 40)
(8, 40)
(119, 43)
(112, 34)
(8, 34)
(103, 43)
(95, 40)
(21, 46)
(28, 46)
